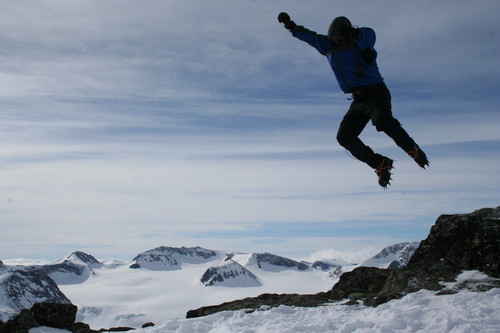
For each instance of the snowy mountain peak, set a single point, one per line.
(74, 268)
(171, 258)
(81, 258)
(275, 263)
(393, 256)
(229, 274)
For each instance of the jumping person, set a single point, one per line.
(351, 55)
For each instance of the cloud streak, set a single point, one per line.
(130, 125)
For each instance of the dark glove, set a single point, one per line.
(285, 19)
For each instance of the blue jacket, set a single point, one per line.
(354, 64)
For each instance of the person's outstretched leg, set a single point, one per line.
(381, 115)
(348, 136)
(350, 128)
(403, 140)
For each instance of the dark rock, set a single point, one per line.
(230, 274)
(22, 323)
(81, 328)
(268, 261)
(54, 314)
(149, 324)
(362, 282)
(455, 243)
(267, 300)
(118, 329)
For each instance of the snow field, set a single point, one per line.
(121, 296)
(465, 312)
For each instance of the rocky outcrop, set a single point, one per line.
(229, 274)
(263, 301)
(42, 314)
(274, 263)
(166, 258)
(455, 243)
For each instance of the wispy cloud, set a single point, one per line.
(130, 125)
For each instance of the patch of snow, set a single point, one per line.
(45, 329)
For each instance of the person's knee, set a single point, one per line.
(344, 140)
(385, 123)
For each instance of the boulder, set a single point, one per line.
(54, 314)
(455, 243)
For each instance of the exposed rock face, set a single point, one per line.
(54, 315)
(274, 263)
(171, 258)
(363, 282)
(333, 269)
(262, 301)
(229, 274)
(455, 243)
(42, 314)
(67, 272)
(84, 258)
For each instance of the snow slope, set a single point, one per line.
(420, 312)
(466, 312)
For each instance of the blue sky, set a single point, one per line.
(128, 125)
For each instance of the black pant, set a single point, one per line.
(373, 102)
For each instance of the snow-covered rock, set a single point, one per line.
(230, 274)
(81, 258)
(171, 258)
(75, 268)
(274, 263)
(21, 289)
(332, 268)
(393, 256)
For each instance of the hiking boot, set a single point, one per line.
(419, 156)
(383, 172)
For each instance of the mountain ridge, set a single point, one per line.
(224, 269)
(456, 243)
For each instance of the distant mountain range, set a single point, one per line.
(23, 286)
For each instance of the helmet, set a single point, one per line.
(339, 26)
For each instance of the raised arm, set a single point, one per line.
(319, 42)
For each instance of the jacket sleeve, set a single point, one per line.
(319, 42)
(366, 38)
